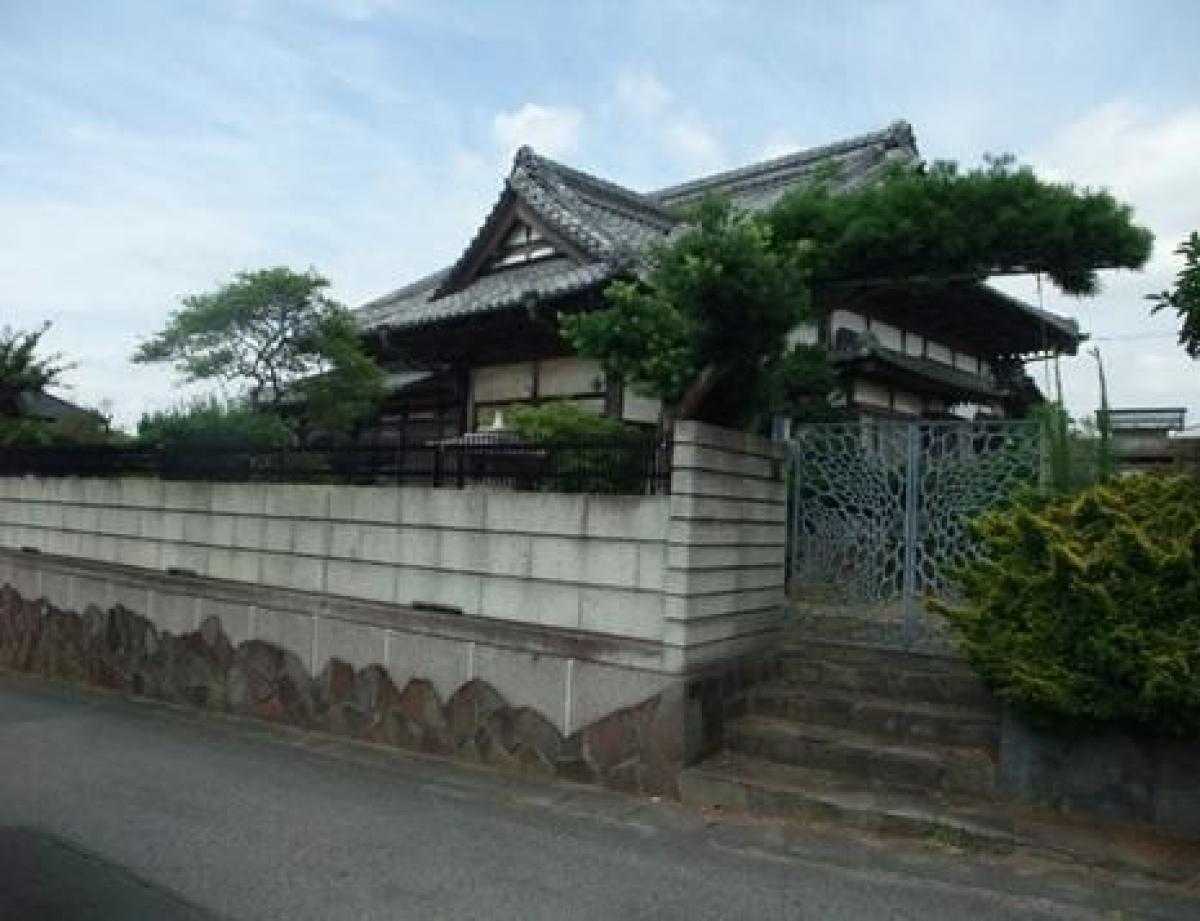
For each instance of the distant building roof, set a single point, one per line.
(1145, 420)
(36, 404)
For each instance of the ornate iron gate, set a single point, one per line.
(880, 510)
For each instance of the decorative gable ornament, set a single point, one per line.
(521, 244)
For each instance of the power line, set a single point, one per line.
(1132, 337)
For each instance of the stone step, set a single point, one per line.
(739, 783)
(884, 673)
(735, 780)
(864, 756)
(929, 635)
(887, 717)
(803, 649)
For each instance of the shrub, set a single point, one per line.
(586, 452)
(213, 424)
(1086, 609)
(564, 422)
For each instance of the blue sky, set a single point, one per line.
(151, 148)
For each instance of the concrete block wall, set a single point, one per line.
(726, 541)
(593, 563)
(626, 623)
(698, 574)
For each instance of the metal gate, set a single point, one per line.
(880, 511)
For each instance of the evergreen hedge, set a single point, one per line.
(1086, 609)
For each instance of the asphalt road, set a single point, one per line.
(111, 809)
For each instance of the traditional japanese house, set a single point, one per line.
(480, 336)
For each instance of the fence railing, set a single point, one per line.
(623, 466)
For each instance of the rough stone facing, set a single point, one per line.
(639, 749)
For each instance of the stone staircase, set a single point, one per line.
(856, 732)
(898, 744)
(873, 738)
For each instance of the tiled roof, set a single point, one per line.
(1061, 333)
(843, 165)
(608, 228)
(961, 383)
(610, 225)
(543, 280)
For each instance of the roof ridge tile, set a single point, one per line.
(899, 134)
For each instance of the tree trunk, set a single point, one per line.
(697, 392)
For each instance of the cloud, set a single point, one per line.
(552, 130)
(643, 93)
(678, 133)
(137, 179)
(692, 142)
(1143, 157)
(1146, 158)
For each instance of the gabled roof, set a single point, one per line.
(600, 229)
(843, 165)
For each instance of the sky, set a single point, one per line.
(150, 149)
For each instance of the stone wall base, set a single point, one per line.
(626, 728)
(637, 749)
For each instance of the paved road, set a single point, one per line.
(111, 809)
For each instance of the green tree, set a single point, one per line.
(1184, 296)
(277, 338)
(946, 224)
(23, 369)
(704, 329)
(211, 423)
(714, 310)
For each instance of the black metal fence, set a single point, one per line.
(624, 466)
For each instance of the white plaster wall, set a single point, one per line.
(938, 352)
(872, 394)
(637, 408)
(558, 377)
(845, 319)
(502, 382)
(965, 362)
(888, 335)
